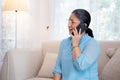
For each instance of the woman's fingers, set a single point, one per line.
(80, 31)
(75, 31)
(71, 35)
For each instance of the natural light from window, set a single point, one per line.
(105, 17)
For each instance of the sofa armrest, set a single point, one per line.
(21, 64)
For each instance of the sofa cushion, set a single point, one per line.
(48, 65)
(110, 52)
(40, 79)
(112, 69)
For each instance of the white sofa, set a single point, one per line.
(25, 64)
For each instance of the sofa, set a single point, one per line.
(31, 64)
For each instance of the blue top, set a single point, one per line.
(85, 66)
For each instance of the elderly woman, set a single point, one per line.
(78, 54)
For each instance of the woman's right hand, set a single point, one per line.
(76, 38)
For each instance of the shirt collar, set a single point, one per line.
(82, 38)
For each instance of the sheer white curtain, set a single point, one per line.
(104, 13)
(0, 30)
(7, 31)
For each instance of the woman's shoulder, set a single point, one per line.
(66, 41)
(93, 42)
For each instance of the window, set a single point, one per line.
(104, 13)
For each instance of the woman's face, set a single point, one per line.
(73, 22)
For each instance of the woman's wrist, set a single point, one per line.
(74, 47)
(75, 52)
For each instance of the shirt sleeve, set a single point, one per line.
(57, 67)
(88, 56)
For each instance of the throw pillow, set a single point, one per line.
(112, 69)
(48, 65)
(110, 52)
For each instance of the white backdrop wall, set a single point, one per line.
(40, 19)
(32, 27)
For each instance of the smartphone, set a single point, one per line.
(80, 26)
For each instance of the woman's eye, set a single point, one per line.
(72, 21)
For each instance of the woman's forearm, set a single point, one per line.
(75, 52)
(57, 77)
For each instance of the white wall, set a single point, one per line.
(32, 28)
